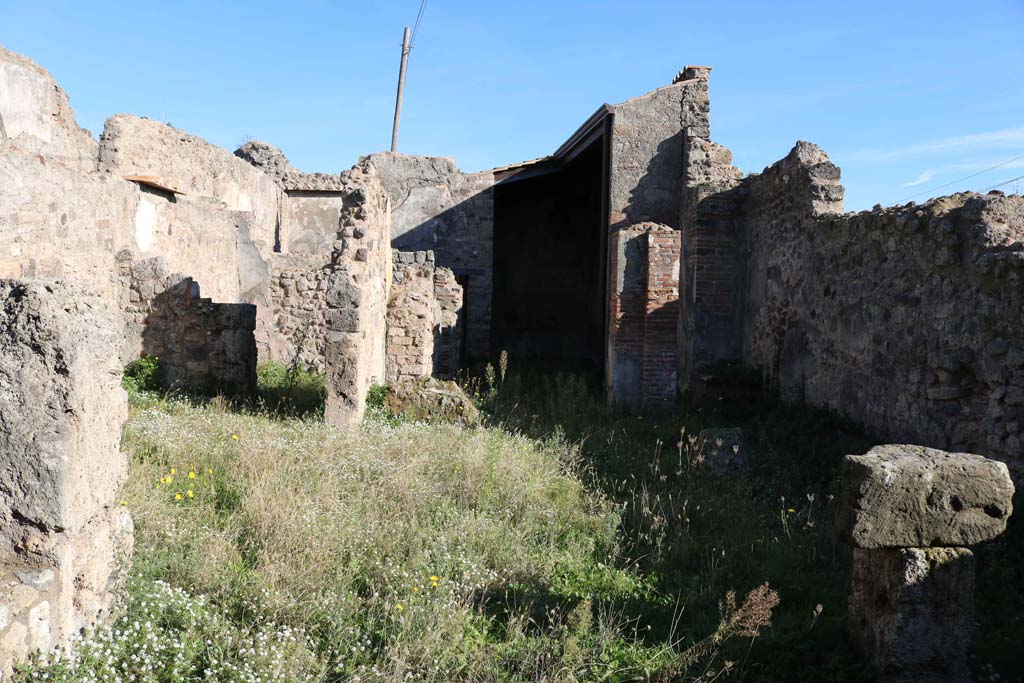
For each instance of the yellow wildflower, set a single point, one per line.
(190, 494)
(234, 437)
(415, 589)
(174, 471)
(209, 471)
(191, 475)
(399, 607)
(790, 510)
(123, 503)
(435, 579)
(177, 496)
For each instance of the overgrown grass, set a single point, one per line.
(696, 535)
(400, 551)
(290, 391)
(563, 541)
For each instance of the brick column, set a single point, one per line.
(643, 315)
(661, 315)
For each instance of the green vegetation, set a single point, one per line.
(290, 390)
(143, 375)
(560, 542)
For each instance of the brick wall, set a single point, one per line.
(437, 207)
(448, 326)
(643, 313)
(411, 314)
(661, 315)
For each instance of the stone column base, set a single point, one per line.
(912, 611)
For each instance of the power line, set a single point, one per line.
(419, 18)
(1011, 180)
(966, 177)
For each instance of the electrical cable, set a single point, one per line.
(419, 18)
(966, 177)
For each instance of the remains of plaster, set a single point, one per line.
(36, 116)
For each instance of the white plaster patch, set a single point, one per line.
(145, 224)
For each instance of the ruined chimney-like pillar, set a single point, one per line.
(909, 512)
(357, 283)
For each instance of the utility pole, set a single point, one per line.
(401, 89)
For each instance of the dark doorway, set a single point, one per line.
(550, 252)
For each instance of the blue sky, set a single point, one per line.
(904, 95)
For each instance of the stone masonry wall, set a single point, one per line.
(437, 207)
(906, 319)
(36, 115)
(355, 299)
(643, 313)
(647, 137)
(411, 317)
(298, 288)
(448, 324)
(56, 222)
(200, 344)
(134, 146)
(63, 540)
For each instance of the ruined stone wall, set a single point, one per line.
(198, 236)
(134, 146)
(201, 344)
(712, 260)
(411, 317)
(36, 116)
(63, 538)
(298, 288)
(310, 221)
(448, 324)
(643, 313)
(356, 292)
(60, 218)
(56, 222)
(312, 203)
(906, 319)
(437, 207)
(647, 140)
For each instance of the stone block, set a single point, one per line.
(61, 412)
(911, 612)
(911, 496)
(723, 450)
(61, 407)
